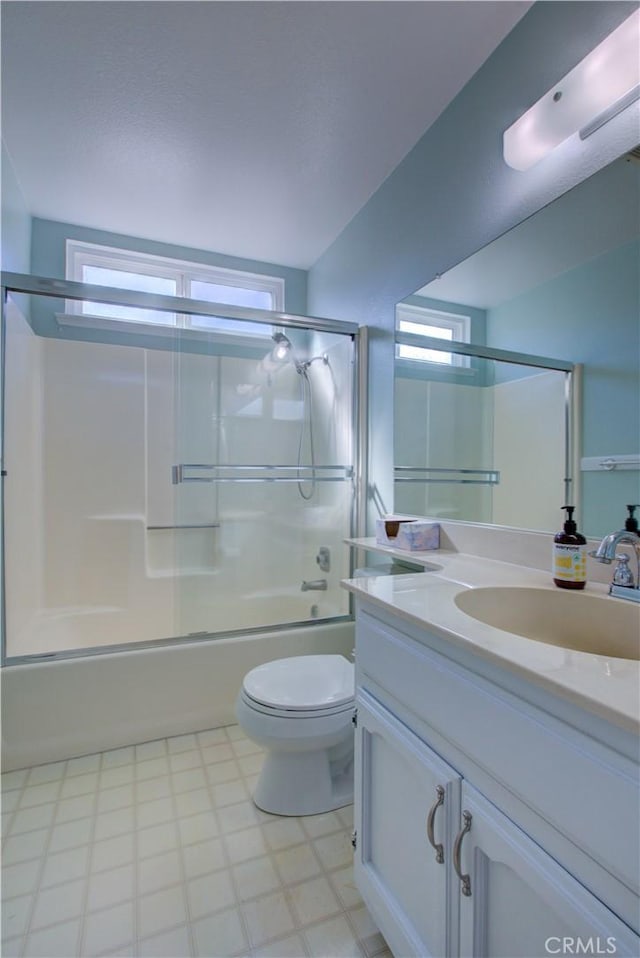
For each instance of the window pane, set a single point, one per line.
(239, 327)
(424, 355)
(424, 329)
(418, 352)
(231, 295)
(123, 279)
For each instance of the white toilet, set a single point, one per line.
(300, 710)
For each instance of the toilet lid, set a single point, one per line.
(302, 683)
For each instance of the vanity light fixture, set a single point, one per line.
(599, 87)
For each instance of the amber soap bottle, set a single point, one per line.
(570, 555)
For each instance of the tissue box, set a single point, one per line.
(413, 535)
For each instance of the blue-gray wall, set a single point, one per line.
(48, 257)
(15, 250)
(453, 193)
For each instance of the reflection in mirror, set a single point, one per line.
(564, 283)
(489, 443)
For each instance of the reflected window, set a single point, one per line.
(423, 321)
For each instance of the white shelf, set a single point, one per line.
(429, 560)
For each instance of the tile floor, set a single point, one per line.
(157, 850)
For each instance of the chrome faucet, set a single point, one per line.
(623, 584)
(314, 585)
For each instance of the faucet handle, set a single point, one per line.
(623, 574)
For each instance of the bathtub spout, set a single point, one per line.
(314, 585)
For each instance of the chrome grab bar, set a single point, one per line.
(491, 476)
(237, 473)
(194, 525)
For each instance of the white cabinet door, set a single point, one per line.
(522, 904)
(404, 792)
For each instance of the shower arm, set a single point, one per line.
(301, 367)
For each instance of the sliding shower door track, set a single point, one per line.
(192, 637)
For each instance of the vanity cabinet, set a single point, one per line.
(445, 868)
(408, 803)
(521, 902)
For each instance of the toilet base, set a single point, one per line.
(308, 764)
(305, 783)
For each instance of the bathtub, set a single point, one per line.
(82, 628)
(64, 708)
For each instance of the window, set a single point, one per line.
(431, 322)
(126, 269)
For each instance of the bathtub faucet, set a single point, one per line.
(315, 585)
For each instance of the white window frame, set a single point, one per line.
(183, 272)
(458, 323)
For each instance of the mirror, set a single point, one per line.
(565, 283)
(496, 436)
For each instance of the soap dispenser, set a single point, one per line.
(570, 555)
(631, 523)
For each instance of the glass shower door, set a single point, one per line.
(165, 481)
(262, 482)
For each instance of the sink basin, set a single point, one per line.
(571, 620)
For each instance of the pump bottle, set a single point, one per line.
(631, 523)
(569, 555)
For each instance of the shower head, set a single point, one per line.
(282, 348)
(282, 352)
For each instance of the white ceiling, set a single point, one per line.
(256, 129)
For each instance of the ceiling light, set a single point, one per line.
(600, 86)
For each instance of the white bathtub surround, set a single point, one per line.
(71, 707)
(156, 849)
(23, 438)
(109, 550)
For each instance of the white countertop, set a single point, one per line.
(606, 686)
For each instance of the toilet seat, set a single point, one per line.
(316, 713)
(301, 685)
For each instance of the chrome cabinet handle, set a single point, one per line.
(465, 879)
(437, 846)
